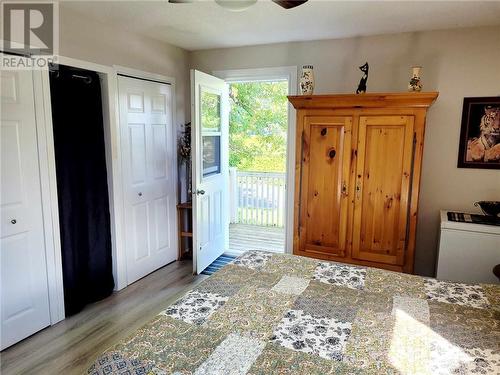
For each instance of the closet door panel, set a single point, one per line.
(140, 230)
(383, 170)
(324, 202)
(23, 285)
(163, 235)
(146, 111)
(137, 142)
(159, 151)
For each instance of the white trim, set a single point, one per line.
(43, 114)
(113, 164)
(260, 74)
(144, 75)
(194, 166)
(69, 61)
(288, 73)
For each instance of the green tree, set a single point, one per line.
(258, 126)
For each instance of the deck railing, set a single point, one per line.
(257, 198)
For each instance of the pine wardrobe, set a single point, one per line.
(357, 177)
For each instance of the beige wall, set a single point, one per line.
(90, 40)
(457, 63)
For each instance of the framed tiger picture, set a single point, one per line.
(480, 133)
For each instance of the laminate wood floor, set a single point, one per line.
(69, 346)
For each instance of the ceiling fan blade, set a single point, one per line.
(289, 4)
(180, 1)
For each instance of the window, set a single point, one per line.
(211, 132)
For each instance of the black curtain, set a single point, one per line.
(81, 186)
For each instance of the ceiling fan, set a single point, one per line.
(237, 5)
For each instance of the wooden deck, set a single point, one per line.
(243, 237)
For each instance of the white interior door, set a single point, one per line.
(148, 171)
(210, 131)
(24, 290)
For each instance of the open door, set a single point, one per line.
(210, 131)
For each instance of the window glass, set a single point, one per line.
(210, 111)
(211, 155)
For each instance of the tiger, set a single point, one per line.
(486, 147)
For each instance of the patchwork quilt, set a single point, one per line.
(283, 314)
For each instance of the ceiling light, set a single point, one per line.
(236, 5)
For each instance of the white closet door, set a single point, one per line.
(148, 171)
(24, 290)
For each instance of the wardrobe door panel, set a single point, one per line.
(383, 178)
(324, 203)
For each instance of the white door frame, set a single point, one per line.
(49, 182)
(136, 73)
(48, 185)
(268, 74)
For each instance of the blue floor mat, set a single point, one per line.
(218, 264)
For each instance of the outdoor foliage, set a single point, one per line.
(210, 111)
(258, 126)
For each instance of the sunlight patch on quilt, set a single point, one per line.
(235, 355)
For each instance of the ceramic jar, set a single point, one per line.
(307, 80)
(415, 83)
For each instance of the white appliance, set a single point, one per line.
(467, 251)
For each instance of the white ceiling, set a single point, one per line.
(204, 24)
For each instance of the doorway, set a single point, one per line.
(258, 126)
(277, 233)
(82, 186)
(214, 211)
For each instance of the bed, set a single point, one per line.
(271, 313)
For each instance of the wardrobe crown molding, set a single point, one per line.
(368, 100)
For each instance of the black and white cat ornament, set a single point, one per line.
(362, 83)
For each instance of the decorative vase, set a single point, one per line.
(307, 80)
(415, 81)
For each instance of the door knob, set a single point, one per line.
(200, 192)
(13, 221)
(140, 194)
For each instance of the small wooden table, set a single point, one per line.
(185, 225)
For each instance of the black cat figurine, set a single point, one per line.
(362, 82)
